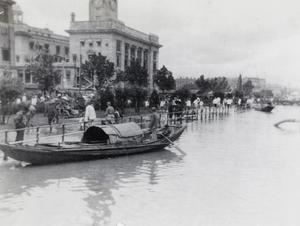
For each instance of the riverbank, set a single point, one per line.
(40, 120)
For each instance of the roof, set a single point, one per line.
(102, 133)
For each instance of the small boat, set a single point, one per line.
(264, 107)
(97, 142)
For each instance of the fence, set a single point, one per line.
(60, 132)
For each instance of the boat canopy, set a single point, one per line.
(112, 133)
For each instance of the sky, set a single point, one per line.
(255, 38)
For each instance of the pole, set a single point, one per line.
(37, 135)
(63, 134)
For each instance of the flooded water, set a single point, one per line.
(239, 170)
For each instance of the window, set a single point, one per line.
(139, 55)
(17, 58)
(27, 76)
(146, 59)
(46, 48)
(31, 45)
(91, 44)
(118, 60)
(126, 63)
(82, 43)
(132, 53)
(68, 75)
(5, 55)
(67, 51)
(74, 58)
(20, 75)
(98, 43)
(119, 43)
(57, 50)
(4, 18)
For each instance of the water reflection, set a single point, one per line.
(94, 182)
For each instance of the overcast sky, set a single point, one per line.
(211, 37)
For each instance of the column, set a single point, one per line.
(142, 57)
(150, 68)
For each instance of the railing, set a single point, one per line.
(166, 118)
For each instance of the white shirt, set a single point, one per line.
(90, 113)
(34, 101)
(188, 103)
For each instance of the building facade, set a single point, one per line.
(7, 46)
(105, 34)
(30, 42)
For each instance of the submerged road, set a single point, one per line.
(239, 170)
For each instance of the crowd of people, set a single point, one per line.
(83, 107)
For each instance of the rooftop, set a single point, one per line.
(112, 26)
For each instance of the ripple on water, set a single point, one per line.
(238, 171)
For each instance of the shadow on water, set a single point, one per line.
(100, 179)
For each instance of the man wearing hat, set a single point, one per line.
(90, 113)
(154, 123)
(20, 123)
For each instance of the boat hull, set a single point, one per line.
(266, 109)
(43, 155)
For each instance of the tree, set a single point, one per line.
(10, 89)
(164, 79)
(121, 96)
(138, 94)
(239, 87)
(106, 95)
(136, 75)
(203, 85)
(217, 85)
(183, 93)
(44, 73)
(248, 88)
(154, 99)
(100, 67)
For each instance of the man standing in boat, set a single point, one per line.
(154, 123)
(90, 113)
(110, 113)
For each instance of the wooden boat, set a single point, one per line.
(97, 142)
(264, 108)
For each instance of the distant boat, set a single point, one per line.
(264, 107)
(98, 142)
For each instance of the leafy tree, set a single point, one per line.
(248, 88)
(164, 79)
(217, 84)
(203, 85)
(183, 93)
(121, 96)
(10, 89)
(138, 94)
(136, 75)
(44, 73)
(106, 95)
(101, 67)
(154, 99)
(239, 86)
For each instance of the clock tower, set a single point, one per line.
(103, 10)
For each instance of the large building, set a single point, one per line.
(6, 37)
(31, 41)
(104, 33)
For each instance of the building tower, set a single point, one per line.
(18, 14)
(101, 10)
